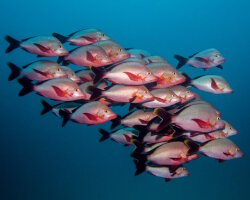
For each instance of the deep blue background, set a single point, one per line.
(41, 160)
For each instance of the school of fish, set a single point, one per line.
(167, 123)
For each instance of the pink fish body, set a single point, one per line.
(222, 149)
(60, 90)
(84, 75)
(173, 153)
(89, 55)
(115, 52)
(162, 98)
(86, 37)
(183, 93)
(130, 73)
(138, 117)
(211, 83)
(92, 113)
(167, 76)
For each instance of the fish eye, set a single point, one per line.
(60, 46)
(187, 91)
(237, 149)
(217, 55)
(148, 73)
(218, 118)
(58, 69)
(172, 95)
(103, 34)
(230, 128)
(174, 73)
(120, 50)
(105, 111)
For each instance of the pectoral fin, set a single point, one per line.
(201, 123)
(202, 59)
(131, 76)
(58, 91)
(90, 57)
(41, 73)
(90, 116)
(42, 48)
(214, 84)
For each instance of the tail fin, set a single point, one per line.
(182, 61)
(105, 134)
(13, 43)
(193, 147)
(65, 115)
(98, 74)
(60, 59)
(60, 37)
(165, 116)
(46, 107)
(96, 92)
(139, 148)
(140, 167)
(15, 71)
(188, 79)
(27, 86)
(115, 122)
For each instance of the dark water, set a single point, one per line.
(41, 160)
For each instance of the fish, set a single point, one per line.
(167, 76)
(62, 89)
(194, 102)
(137, 117)
(166, 172)
(123, 136)
(41, 70)
(162, 98)
(90, 113)
(71, 74)
(42, 46)
(206, 59)
(55, 109)
(209, 83)
(197, 117)
(84, 75)
(128, 73)
(221, 149)
(171, 153)
(137, 53)
(82, 37)
(202, 138)
(154, 59)
(88, 56)
(183, 93)
(122, 93)
(115, 52)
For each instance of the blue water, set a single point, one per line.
(40, 160)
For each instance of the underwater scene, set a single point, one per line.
(124, 99)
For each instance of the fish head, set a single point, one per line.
(106, 113)
(57, 72)
(223, 85)
(235, 151)
(216, 58)
(217, 123)
(58, 49)
(103, 58)
(100, 36)
(117, 54)
(76, 92)
(229, 130)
